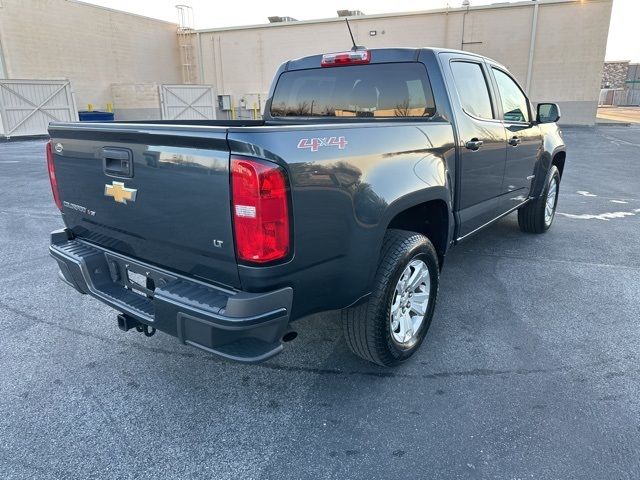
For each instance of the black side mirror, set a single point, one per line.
(548, 113)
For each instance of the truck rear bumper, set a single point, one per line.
(246, 327)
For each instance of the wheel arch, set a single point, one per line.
(429, 213)
(557, 157)
(429, 218)
(558, 160)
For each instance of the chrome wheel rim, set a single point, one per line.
(550, 205)
(410, 301)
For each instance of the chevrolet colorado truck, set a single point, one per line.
(367, 167)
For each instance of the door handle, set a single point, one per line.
(473, 144)
(514, 141)
(117, 161)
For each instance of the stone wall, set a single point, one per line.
(614, 74)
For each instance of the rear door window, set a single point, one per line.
(386, 90)
(472, 88)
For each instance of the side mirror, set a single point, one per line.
(548, 113)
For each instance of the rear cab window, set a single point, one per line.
(387, 90)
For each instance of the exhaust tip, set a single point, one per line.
(290, 336)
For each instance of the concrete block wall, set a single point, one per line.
(93, 46)
(568, 50)
(112, 57)
(136, 101)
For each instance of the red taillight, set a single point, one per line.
(52, 176)
(260, 210)
(353, 57)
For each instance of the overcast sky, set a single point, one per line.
(623, 44)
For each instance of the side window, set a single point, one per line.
(472, 89)
(514, 103)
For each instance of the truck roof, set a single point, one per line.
(379, 55)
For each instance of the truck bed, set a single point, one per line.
(181, 217)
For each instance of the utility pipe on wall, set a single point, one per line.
(532, 44)
(464, 21)
(3, 67)
(200, 58)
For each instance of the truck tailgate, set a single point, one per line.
(153, 192)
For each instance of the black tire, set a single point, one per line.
(531, 217)
(367, 327)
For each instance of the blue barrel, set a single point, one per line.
(95, 116)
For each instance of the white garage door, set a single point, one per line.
(188, 102)
(27, 106)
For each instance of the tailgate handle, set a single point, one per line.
(117, 162)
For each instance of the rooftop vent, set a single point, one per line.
(349, 13)
(281, 19)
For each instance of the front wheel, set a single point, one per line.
(537, 215)
(392, 324)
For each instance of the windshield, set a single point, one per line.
(384, 90)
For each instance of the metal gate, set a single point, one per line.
(187, 102)
(27, 106)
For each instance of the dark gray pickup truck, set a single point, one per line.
(367, 167)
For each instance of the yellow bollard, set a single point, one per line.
(255, 111)
(233, 112)
(110, 107)
(90, 107)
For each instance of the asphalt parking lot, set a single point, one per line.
(530, 370)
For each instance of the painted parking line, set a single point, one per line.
(600, 216)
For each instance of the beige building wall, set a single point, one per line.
(115, 57)
(136, 101)
(567, 58)
(92, 46)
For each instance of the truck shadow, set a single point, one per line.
(320, 335)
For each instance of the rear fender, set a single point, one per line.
(343, 200)
(442, 193)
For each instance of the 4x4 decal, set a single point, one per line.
(314, 144)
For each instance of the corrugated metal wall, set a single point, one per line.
(633, 76)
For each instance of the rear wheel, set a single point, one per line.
(392, 324)
(537, 215)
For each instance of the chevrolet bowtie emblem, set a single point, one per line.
(120, 193)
